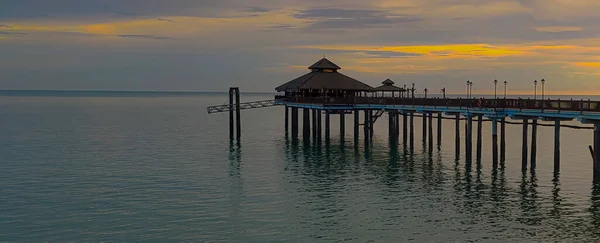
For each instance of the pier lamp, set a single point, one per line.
(413, 90)
(468, 83)
(535, 89)
(495, 88)
(470, 89)
(543, 82)
(505, 83)
(425, 92)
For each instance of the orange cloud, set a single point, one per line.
(556, 29)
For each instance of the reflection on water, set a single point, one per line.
(466, 193)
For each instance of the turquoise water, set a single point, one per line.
(155, 167)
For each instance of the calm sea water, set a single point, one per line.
(156, 167)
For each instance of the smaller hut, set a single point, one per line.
(389, 90)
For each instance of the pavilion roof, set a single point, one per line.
(388, 85)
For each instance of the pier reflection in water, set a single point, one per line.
(386, 190)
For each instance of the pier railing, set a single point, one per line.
(475, 103)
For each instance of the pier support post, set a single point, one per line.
(327, 124)
(524, 146)
(533, 143)
(397, 125)
(356, 122)
(366, 124)
(371, 124)
(412, 130)
(424, 127)
(294, 122)
(479, 136)
(342, 122)
(596, 165)
(238, 120)
(439, 129)
(231, 117)
(469, 137)
(503, 139)
(306, 123)
(457, 135)
(404, 128)
(287, 118)
(430, 130)
(314, 124)
(557, 146)
(494, 143)
(319, 125)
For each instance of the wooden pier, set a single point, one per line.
(326, 91)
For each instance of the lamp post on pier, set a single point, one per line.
(425, 93)
(495, 94)
(543, 82)
(468, 83)
(444, 92)
(505, 83)
(413, 90)
(535, 82)
(470, 89)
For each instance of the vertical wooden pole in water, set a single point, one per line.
(503, 139)
(557, 146)
(319, 125)
(314, 124)
(238, 119)
(356, 121)
(533, 142)
(412, 130)
(404, 127)
(424, 127)
(457, 135)
(439, 129)
(524, 147)
(306, 123)
(342, 123)
(231, 117)
(287, 118)
(327, 124)
(479, 136)
(469, 138)
(494, 143)
(371, 124)
(596, 165)
(397, 125)
(294, 122)
(430, 131)
(391, 123)
(366, 126)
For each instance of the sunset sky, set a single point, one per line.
(209, 45)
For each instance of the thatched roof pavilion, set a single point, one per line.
(324, 79)
(388, 86)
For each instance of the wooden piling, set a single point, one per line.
(306, 123)
(342, 123)
(356, 124)
(424, 127)
(412, 130)
(503, 139)
(231, 111)
(557, 146)
(439, 129)
(327, 124)
(404, 128)
(534, 126)
(391, 123)
(371, 123)
(457, 136)
(494, 143)
(397, 125)
(238, 120)
(479, 136)
(287, 118)
(430, 131)
(366, 126)
(294, 122)
(319, 125)
(314, 124)
(524, 145)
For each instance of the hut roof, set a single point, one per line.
(388, 85)
(322, 80)
(324, 64)
(324, 75)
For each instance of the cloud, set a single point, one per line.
(337, 18)
(5, 26)
(12, 33)
(145, 37)
(257, 10)
(556, 29)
